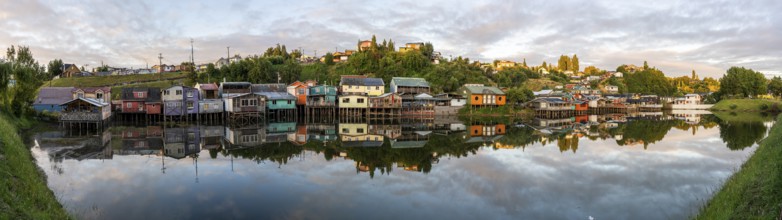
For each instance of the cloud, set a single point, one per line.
(675, 36)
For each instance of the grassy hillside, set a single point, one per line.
(94, 81)
(745, 105)
(755, 191)
(538, 84)
(24, 194)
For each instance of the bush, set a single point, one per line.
(733, 106)
(764, 106)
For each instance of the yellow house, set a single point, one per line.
(353, 101)
(361, 85)
(502, 64)
(357, 135)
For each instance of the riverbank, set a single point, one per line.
(503, 111)
(747, 105)
(24, 193)
(755, 191)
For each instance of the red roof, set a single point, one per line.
(210, 86)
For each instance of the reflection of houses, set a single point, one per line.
(300, 137)
(140, 141)
(391, 131)
(238, 138)
(411, 138)
(486, 133)
(357, 135)
(322, 132)
(211, 137)
(96, 147)
(50, 98)
(181, 142)
(278, 132)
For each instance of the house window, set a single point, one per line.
(129, 105)
(178, 92)
(350, 87)
(476, 98)
(139, 94)
(360, 130)
(80, 95)
(499, 98)
(99, 95)
(189, 105)
(190, 94)
(346, 100)
(377, 87)
(245, 102)
(345, 130)
(360, 101)
(165, 92)
(274, 102)
(289, 102)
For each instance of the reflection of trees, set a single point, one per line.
(277, 152)
(643, 132)
(519, 137)
(740, 135)
(566, 143)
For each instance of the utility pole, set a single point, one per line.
(192, 59)
(160, 67)
(229, 54)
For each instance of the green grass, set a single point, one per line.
(95, 81)
(755, 191)
(539, 84)
(116, 91)
(745, 105)
(23, 190)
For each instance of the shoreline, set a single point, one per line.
(25, 194)
(755, 190)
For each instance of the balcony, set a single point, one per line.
(81, 116)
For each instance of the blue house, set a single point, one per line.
(49, 99)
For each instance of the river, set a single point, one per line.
(601, 167)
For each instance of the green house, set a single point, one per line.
(322, 96)
(277, 96)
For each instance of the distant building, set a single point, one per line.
(50, 98)
(409, 85)
(479, 95)
(70, 70)
(221, 62)
(612, 89)
(361, 85)
(411, 47)
(504, 64)
(364, 45)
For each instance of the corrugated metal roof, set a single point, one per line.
(484, 90)
(362, 81)
(257, 88)
(91, 101)
(54, 95)
(410, 82)
(277, 95)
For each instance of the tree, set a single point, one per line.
(54, 68)
(775, 86)
(649, 81)
(328, 59)
(742, 82)
(574, 64)
(646, 65)
(564, 63)
(524, 63)
(520, 95)
(591, 71)
(212, 73)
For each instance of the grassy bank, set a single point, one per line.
(755, 191)
(746, 105)
(95, 81)
(23, 190)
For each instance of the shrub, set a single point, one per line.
(764, 106)
(733, 106)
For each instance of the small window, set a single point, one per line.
(129, 105)
(377, 87)
(189, 105)
(346, 100)
(345, 130)
(360, 130)
(178, 92)
(476, 98)
(360, 100)
(499, 98)
(190, 94)
(80, 95)
(274, 102)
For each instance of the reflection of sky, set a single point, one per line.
(669, 180)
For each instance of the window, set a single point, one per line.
(190, 94)
(360, 100)
(245, 102)
(80, 95)
(301, 91)
(476, 98)
(99, 95)
(178, 92)
(346, 100)
(289, 102)
(350, 87)
(189, 105)
(274, 102)
(377, 87)
(139, 94)
(499, 98)
(345, 130)
(360, 130)
(165, 92)
(129, 105)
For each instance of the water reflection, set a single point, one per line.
(502, 169)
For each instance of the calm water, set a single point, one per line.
(606, 167)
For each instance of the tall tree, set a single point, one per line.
(55, 68)
(775, 86)
(739, 81)
(328, 59)
(564, 63)
(574, 64)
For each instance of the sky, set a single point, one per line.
(674, 36)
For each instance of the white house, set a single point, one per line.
(612, 89)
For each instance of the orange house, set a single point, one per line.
(299, 90)
(481, 95)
